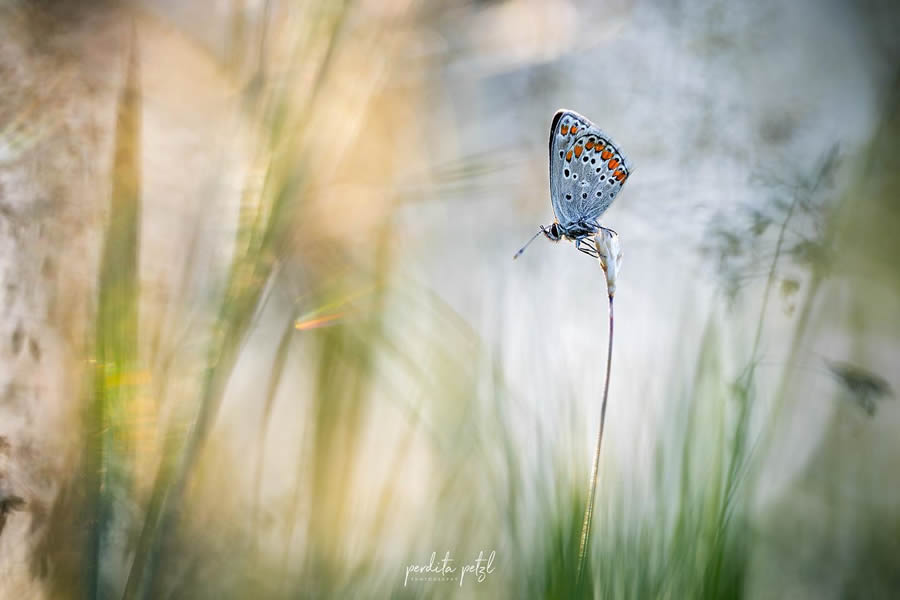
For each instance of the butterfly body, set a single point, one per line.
(578, 232)
(573, 231)
(587, 171)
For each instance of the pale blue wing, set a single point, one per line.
(587, 169)
(565, 209)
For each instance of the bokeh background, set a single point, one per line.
(262, 335)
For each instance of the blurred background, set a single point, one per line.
(262, 336)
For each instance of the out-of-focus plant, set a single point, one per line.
(116, 373)
(792, 227)
(360, 350)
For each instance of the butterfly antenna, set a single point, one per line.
(522, 249)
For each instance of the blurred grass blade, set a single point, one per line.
(272, 386)
(264, 232)
(110, 449)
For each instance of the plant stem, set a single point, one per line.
(589, 509)
(770, 281)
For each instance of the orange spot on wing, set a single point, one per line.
(606, 154)
(589, 145)
(598, 146)
(574, 129)
(564, 130)
(577, 151)
(613, 164)
(569, 155)
(620, 175)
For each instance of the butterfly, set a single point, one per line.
(587, 172)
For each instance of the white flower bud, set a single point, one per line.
(610, 254)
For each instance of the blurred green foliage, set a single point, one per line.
(436, 389)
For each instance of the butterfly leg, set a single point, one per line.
(588, 247)
(607, 229)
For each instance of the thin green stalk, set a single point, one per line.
(771, 278)
(589, 509)
(737, 456)
(799, 333)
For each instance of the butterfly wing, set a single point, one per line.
(587, 169)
